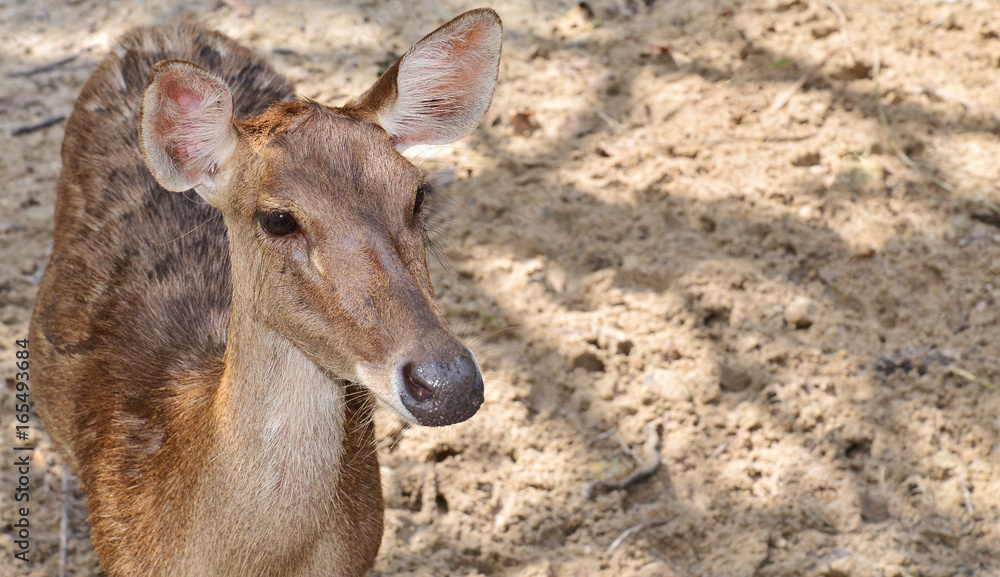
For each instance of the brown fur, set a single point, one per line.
(187, 402)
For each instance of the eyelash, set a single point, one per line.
(423, 189)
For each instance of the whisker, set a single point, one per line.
(479, 339)
(215, 216)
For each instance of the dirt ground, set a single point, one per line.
(754, 241)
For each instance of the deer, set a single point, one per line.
(238, 278)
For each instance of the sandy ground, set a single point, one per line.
(683, 234)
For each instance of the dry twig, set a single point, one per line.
(595, 488)
(991, 218)
(843, 23)
(45, 68)
(967, 375)
(629, 532)
(625, 535)
(883, 119)
(36, 127)
(782, 100)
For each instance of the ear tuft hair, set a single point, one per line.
(186, 127)
(441, 88)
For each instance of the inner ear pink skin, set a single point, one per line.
(187, 100)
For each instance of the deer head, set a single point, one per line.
(325, 216)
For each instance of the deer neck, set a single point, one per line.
(277, 448)
(281, 420)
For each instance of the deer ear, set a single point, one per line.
(186, 127)
(441, 88)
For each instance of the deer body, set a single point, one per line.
(236, 277)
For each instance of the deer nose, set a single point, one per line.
(439, 393)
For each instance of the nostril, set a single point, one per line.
(415, 385)
(438, 393)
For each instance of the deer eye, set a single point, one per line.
(418, 200)
(277, 222)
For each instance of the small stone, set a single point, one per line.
(579, 124)
(874, 508)
(668, 384)
(656, 569)
(843, 567)
(670, 351)
(614, 340)
(733, 379)
(801, 312)
(555, 277)
(616, 149)
(578, 19)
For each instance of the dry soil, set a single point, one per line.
(754, 241)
